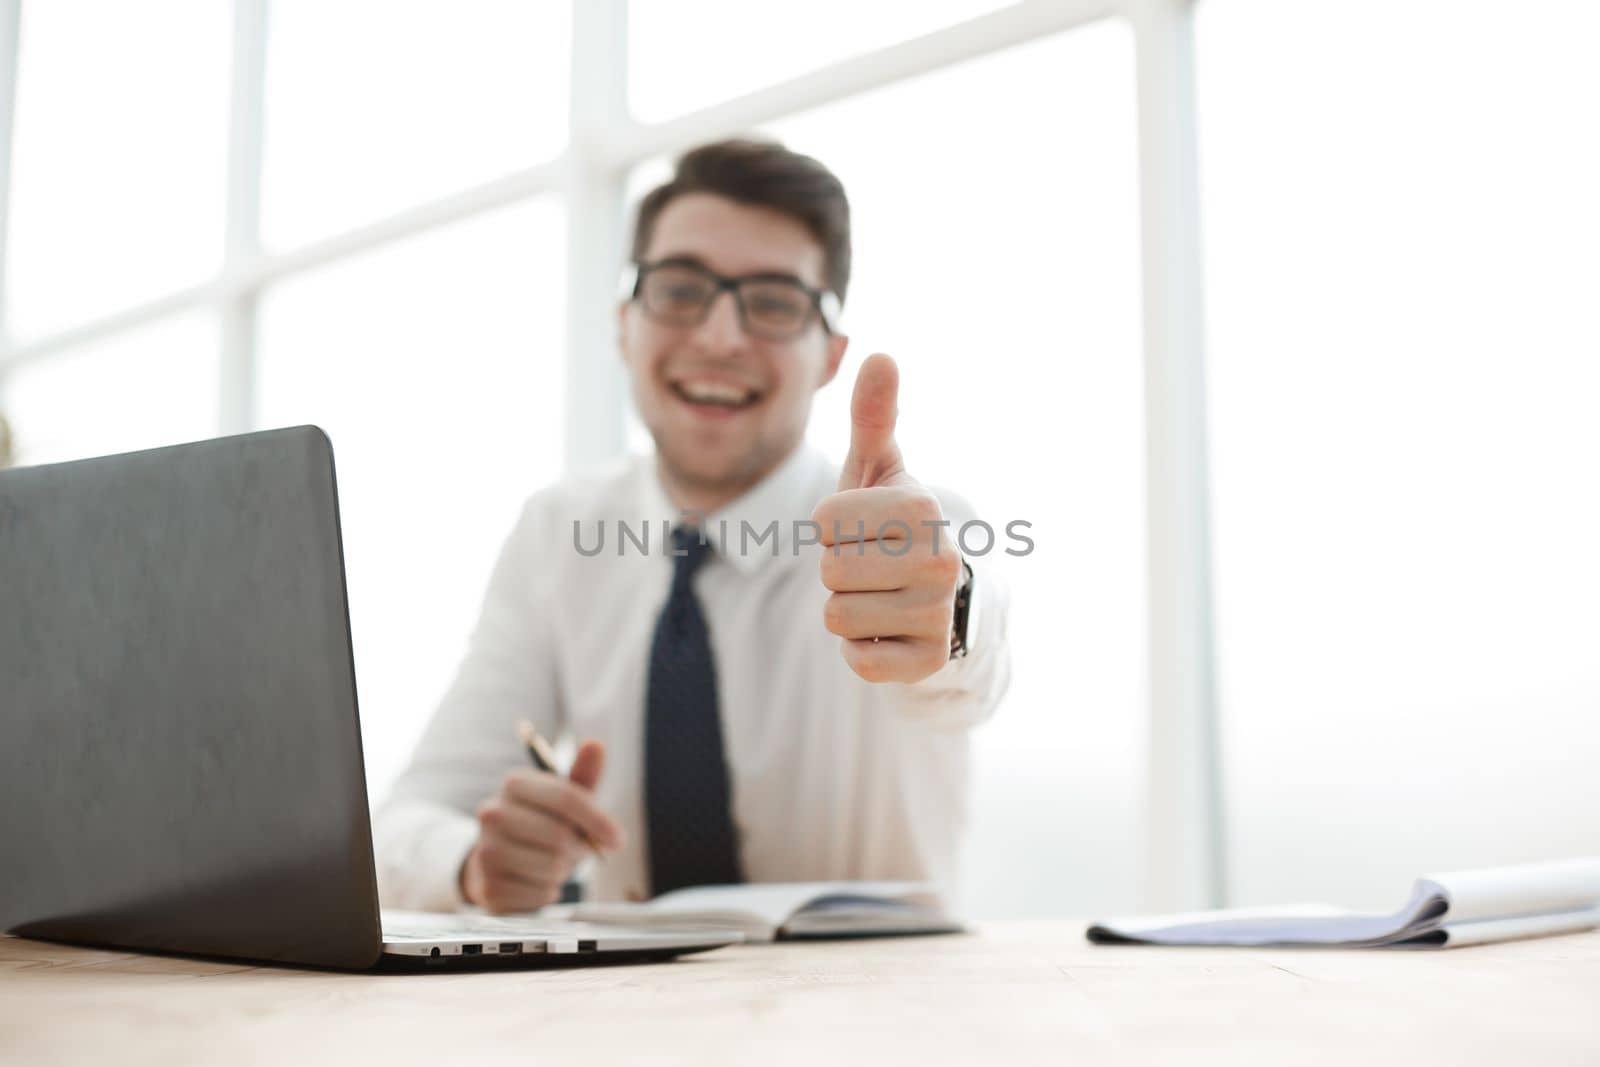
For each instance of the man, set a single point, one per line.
(780, 690)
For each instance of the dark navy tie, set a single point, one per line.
(687, 798)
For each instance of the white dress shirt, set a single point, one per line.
(833, 777)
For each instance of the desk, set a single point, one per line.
(1026, 992)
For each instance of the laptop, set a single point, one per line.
(180, 753)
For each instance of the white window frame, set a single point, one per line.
(1184, 839)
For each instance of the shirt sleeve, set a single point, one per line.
(966, 690)
(427, 825)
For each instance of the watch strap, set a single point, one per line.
(958, 623)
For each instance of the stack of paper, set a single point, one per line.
(1445, 911)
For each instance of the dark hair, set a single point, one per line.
(762, 174)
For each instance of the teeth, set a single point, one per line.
(714, 392)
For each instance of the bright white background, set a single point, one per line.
(1400, 236)
(1403, 252)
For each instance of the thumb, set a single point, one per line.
(587, 765)
(874, 458)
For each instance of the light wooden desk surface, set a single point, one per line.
(1026, 992)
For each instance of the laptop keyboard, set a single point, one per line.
(445, 926)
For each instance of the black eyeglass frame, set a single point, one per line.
(824, 302)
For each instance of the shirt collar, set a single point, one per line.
(758, 527)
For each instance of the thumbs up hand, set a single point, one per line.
(888, 556)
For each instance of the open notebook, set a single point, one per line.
(775, 911)
(1445, 911)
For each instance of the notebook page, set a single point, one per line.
(775, 902)
(772, 902)
(759, 908)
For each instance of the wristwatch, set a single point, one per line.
(961, 624)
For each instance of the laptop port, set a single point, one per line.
(510, 948)
(471, 950)
(586, 946)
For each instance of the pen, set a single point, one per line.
(544, 758)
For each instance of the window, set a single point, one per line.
(374, 106)
(147, 387)
(690, 54)
(1399, 236)
(1400, 272)
(119, 157)
(429, 364)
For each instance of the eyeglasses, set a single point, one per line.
(773, 307)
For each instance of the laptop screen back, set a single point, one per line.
(180, 756)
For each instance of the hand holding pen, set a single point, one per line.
(534, 830)
(544, 758)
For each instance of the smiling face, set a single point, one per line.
(725, 408)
